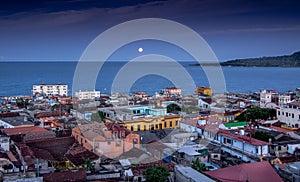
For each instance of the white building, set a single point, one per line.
(4, 143)
(283, 100)
(87, 95)
(265, 98)
(52, 89)
(290, 114)
(183, 173)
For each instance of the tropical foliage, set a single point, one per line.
(158, 174)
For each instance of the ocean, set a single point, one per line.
(17, 78)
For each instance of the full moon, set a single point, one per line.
(140, 49)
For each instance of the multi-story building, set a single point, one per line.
(265, 98)
(87, 95)
(152, 123)
(204, 91)
(111, 140)
(290, 114)
(170, 91)
(283, 100)
(50, 89)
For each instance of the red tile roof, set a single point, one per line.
(65, 176)
(191, 122)
(242, 138)
(77, 153)
(57, 147)
(256, 171)
(24, 130)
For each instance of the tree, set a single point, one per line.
(173, 107)
(198, 166)
(264, 136)
(98, 116)
(88, 164)
(159, 174)
(252, 114)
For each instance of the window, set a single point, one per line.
(145, 128)
(156, 126)
(278, 112)
(286, 114)
(293, 115)
(171, 124)
(131, 128)
(118, 143)
(256, 150)
(165, 124)
(279, 148)
(229, 141)
(138, 127)
(176, 122)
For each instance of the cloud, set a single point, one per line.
(254, 30)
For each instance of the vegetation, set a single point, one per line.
(264, 136)
(190, 109)
(198, 166)
(252, 114)
(88, 164)
(98, 116)
(292, 60)
(159, 174)
(22, 103)
(173, 107)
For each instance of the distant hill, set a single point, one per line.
(292, 60)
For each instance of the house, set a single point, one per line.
(184, 173)
(111, 140)
(233, 125)
(189, 153)
(4, 143)
(63, 176)
(204, 91)
(290, 114)
(8, 162)
(15, 121)
(49, 152)
(255, 171)
(289, 171)
(204, 103)
(241, 146)
(152, 123)
(29, 133)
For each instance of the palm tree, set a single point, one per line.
(198, 166)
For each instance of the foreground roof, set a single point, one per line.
(256, 171)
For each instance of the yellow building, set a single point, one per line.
(204, 91)
(154, 123)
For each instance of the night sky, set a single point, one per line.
(60, 30)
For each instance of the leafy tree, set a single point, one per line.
(198, 166)
(190, 109)
(159, 174)
(252, 114)
(88, 164)
(98, 116)
(264, 136)
(173, 107)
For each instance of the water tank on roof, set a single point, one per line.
(242, 132)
